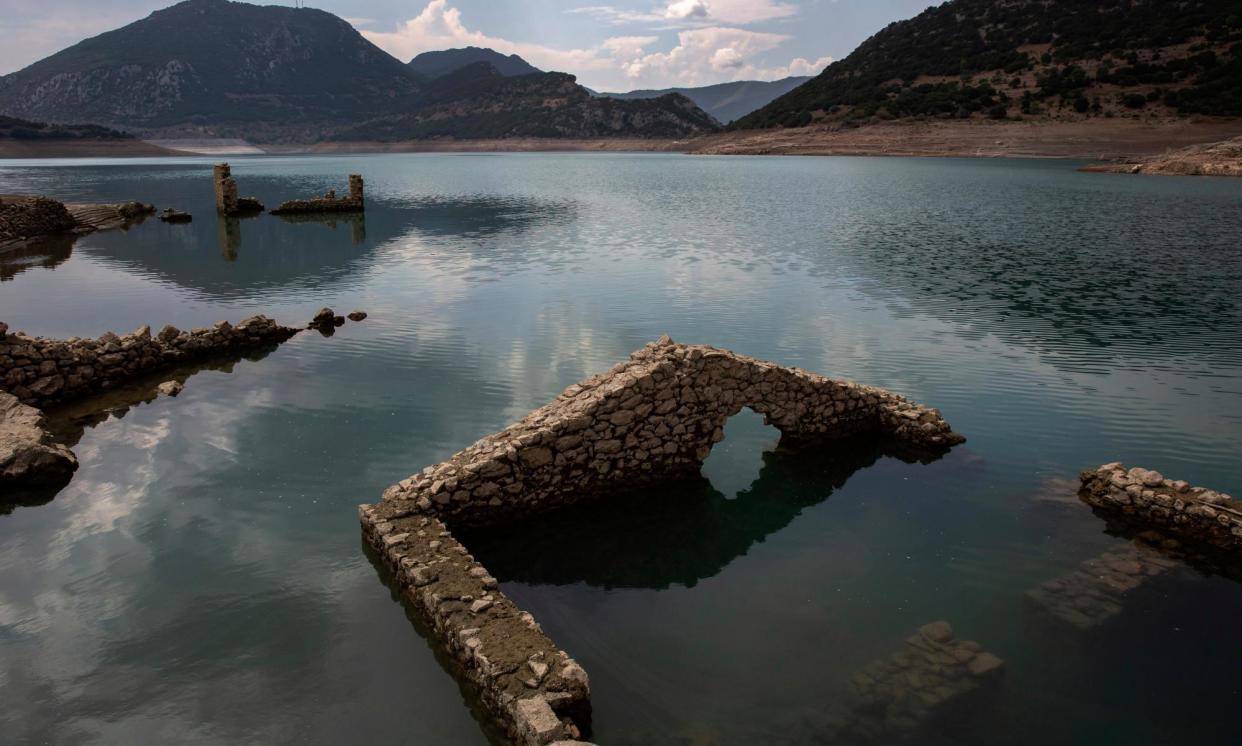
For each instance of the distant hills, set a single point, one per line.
(479, 102)
(217, 68)
(439, 64)
(1031, 58)
(220, 69)
(726, 101)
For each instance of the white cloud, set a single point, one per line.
(695, 12)
(702, 55)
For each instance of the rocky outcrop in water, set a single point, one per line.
(28, 457)
(23, 217)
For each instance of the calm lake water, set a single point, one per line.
(202, 580)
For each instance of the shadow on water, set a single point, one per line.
(697, 529)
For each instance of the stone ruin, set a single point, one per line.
(652, 418)
(1096, 591)
(329, 202)
(891, 698)
(1145, 497)
(227, 201)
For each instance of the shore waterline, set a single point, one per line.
(207, 553)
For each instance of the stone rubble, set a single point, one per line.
(892, 697)
(1089, 596)
(44, 372)
(651, 418)
(28, 457)
(1147, 498)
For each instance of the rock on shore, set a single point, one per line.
(1216, 159)
(27, 455)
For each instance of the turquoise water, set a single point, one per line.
(202, 579)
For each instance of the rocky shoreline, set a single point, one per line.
(1215, 159)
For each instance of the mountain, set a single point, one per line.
(1032, 58)
(477, 101)
(217, 68)
(726, 101)
(439, 64)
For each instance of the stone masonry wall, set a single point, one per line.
(355, 202)
(1196, 513)
(44, 372)
(651, 418)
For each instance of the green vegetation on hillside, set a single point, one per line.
(1023, 57)
(22, 129)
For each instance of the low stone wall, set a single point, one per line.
(1096, 591)
(24, 217)
(537, 693)
(28, 457)
(654, 417)
(355, 202)
(1147, 498)
(44, 372)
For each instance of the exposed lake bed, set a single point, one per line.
(156, 594)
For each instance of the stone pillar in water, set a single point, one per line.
(226, 189)
(355, 188)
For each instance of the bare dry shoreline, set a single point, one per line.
(1097, 139)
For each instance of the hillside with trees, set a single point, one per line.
(1029, 59)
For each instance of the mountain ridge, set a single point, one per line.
(1030, 58)
(725, 101)
(438, 63)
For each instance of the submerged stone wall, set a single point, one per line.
(1146, 497)
(44, 372)
(654, 417)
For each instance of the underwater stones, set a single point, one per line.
(888, 699)
(1096, 590)
(28, 457)
(357, 315)
(1146, 497)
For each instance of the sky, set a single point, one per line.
(620, 46)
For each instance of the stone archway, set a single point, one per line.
(651, 418)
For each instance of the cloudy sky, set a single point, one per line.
(619, 46)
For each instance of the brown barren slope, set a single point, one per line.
(1096, 139)
(14, 148)
(1215, 159)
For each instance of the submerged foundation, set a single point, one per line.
(652, 418)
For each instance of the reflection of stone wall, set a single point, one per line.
(43, 372)
(651, 418)
(1146, 497)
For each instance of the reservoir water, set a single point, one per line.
(202, 579)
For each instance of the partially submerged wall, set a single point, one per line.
(651, 418)
(356, 201)
(44, 372)
(1145, 497)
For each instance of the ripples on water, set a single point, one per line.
(202, 577)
